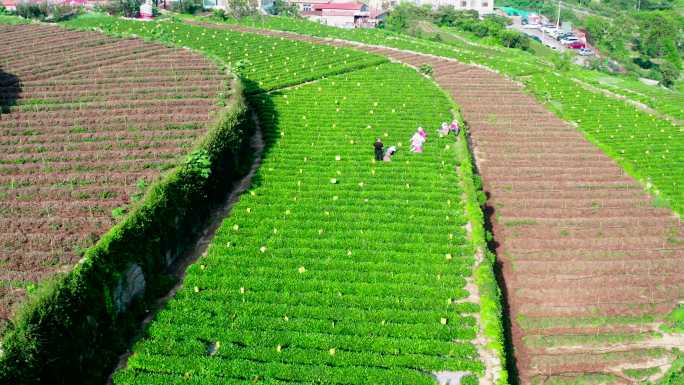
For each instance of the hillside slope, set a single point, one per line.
(87, 122)
(592, 267)
(335, 267)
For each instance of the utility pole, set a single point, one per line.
(638, 5)
(558, 19)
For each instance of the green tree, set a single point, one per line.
(185, 6)
(563, 62)
(657, 32)
(672, 54)
(597, 29)
(669, 73)
(445, 15)
(242, 8)
(514, 39)
(399, 18)
(282, 8)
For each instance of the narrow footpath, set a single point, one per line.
(591, 266)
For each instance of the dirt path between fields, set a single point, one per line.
(553, 193)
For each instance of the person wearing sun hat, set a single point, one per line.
(454, 127)
(389, 153)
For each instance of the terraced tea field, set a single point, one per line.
(592, 264)
(334, 267)
(453, 44)
(87, 122)
(337, 268)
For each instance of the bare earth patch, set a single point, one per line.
(87, 122)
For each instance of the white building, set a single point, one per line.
(483, 7)
(308, 5)
(344, 15)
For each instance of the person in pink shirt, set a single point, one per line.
(454, 127)
(417, 140)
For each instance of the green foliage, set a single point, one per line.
(242, 8)
(675, 375)
(404, 16)
(675, 321)
(641, 374)
(29, 10)
(283, 8)
(198, 162)
(189, 7)
(219, 14)
(669, 74)
(119, 212)
(426, 69)
(658, 33)
(446, 15)
(610, 36)
(400, 18)
(514, 39)
(563, 62)
(127, 8)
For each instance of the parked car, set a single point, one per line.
(531, 26)
(576, 45)
(565, 35)
(533, 37)
(585, 52)
(569, 40)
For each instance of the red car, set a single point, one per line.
(576, 45)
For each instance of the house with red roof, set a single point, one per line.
(344, 15)
(9, 4)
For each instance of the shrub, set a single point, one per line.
(60, 12)
(670, 74)
(563, 61)
(219, 14)
(282, 8)
(514, 39)
(127, 8)
(187, 6)
(44, 11)
(29, 10)
(426, 69)
(242, 8)
(131, 8)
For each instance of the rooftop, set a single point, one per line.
(346, 6)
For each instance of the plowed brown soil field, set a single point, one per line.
(87, 121)
(589, 262)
